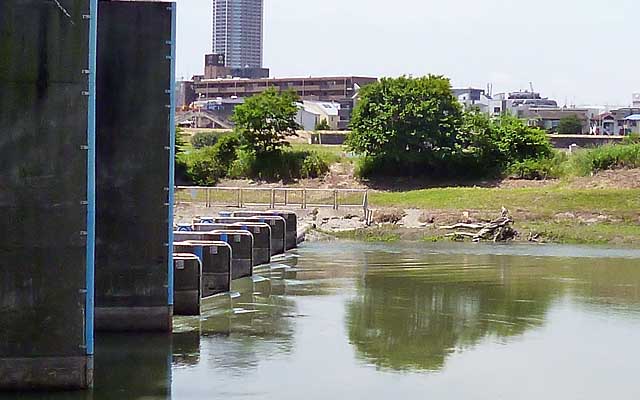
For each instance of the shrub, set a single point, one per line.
(323, 125)
(518, 142)
(313, 166)
(204, 139)
(586, 162)
(201, 166)
(570, 125)
(633, 138)
(538, 169)
(242, 166)
(226, 150)
(282, 165)
(370, 167)
(208, 165)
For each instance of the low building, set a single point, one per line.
(471, 99)
(549, 118)
(501, 103)
(311, 113)
(214, 114)
(615, 122)
(632, 124)
(342, 90)
(215, 66)
(185, 94)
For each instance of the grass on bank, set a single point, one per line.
(543, 202)
(625, 234)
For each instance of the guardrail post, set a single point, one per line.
(273, 198)
(286, 197)
(335, 199)
(365, 206)
(208, 197)
(304, 199)
(240, 198)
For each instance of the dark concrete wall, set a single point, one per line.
(564, 141)
(330, 138)
(44, 55)
(133, 142)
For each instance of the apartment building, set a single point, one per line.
(338, 89)
(238, 32)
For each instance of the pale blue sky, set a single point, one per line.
(578, 51)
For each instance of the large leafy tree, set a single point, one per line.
(265, 120)
(406, 120)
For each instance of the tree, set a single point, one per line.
(204, 139)
(570, 125)
(519, 142)
(323, 125)
(265, 120)
(406, 121)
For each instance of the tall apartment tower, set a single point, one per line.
(237, 32)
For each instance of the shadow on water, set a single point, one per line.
(125, 367)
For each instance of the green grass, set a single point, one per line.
(577, 233)
(384, 234)
(539, 201)
(602, 158)
(330, 154)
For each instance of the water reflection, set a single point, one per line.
(412, 312)
(239, 330)
(347, 320)
(126, 366)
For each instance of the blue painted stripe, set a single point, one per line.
(172, 146)
(199, 252)
(91, 178)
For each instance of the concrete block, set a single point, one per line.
(216, 260)
(188, 284)
(261, 237)
(277, 225)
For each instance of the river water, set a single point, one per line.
(341, 320)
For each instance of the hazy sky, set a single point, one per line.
(578, 51)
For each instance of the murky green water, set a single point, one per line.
(358, 321)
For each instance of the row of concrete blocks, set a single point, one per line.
(213, 251)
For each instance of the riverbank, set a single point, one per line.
(547, 214)
(602, 209)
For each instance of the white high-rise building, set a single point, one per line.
(237, 32)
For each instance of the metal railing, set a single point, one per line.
(303, 198)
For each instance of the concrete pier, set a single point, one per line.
(46, 200)
(261, 237)
(277, 224)
(241, 243)
(291, 223)
(187, 290)
(216, 260)
(135, 140)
